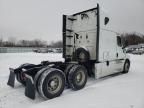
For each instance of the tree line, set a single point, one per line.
(132, 38)
(128, 39)
(12, 42)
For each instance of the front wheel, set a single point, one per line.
(126, 67)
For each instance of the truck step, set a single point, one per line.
(72, 19)
(69, 30)
(69, 45)
(68, 56)
(69, 36)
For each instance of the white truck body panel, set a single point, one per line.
(82, 32)
(85, 27)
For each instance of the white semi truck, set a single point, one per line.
(90, 48)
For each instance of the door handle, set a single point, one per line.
(117, 55)
(107, 62)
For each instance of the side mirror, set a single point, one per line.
(125, 44)
(106, 20)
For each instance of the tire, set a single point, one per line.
(69, 66)
(38, 75)
(82, 55)
(126, 67)
(51, 83)
(77, 77)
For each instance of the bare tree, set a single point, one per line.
(39, 43)
(1, 42)
(57, 44)
(32, 43)
(11, 41)
(132, 38)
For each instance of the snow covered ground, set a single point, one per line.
(121, 91)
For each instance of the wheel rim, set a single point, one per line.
(54, 84)
(126, 67)
(82, 56)
(80, 77)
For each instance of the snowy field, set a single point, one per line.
(121, 91)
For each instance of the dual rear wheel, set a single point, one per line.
(51, 82)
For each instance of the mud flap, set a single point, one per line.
(30, 88)
(11, 80)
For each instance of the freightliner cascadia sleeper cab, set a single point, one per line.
(90, 48)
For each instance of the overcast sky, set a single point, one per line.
(42, 19)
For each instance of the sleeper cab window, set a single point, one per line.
(106, 20)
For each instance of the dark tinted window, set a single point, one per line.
(119, 41)
(106, 20)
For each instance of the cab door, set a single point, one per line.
(120, 55)
(108, 51)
